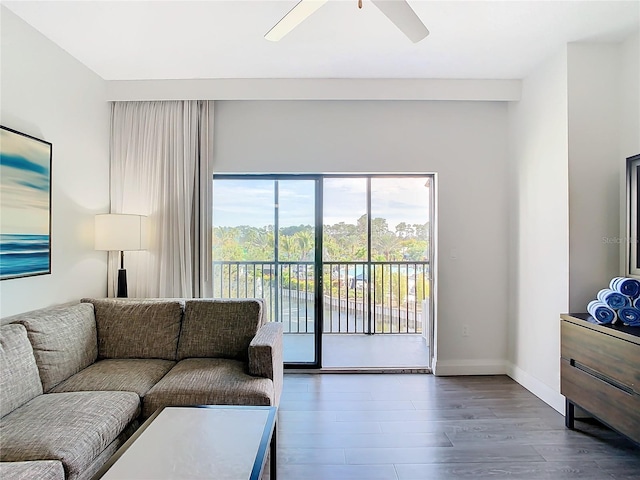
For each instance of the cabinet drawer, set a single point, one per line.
(612, 357)
(617, 408)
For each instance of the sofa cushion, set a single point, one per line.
(19, 379)
(219, 328)
(42, 470)
(208, 381)
(64, 341)
(121, 375)
(71, 427)
(108, 452)
(137, 328)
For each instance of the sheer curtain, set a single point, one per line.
(161, 167)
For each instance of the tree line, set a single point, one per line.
(342, 242)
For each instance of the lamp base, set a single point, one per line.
(122, 283)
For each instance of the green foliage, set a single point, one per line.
(342, 242)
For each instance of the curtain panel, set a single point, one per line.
(161, 166)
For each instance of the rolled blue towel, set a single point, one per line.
(613, 299)
(601, 312)
(627, 286)
(613, 282)
(636, 302)
(630, 316)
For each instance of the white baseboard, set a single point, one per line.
(541, 390)
(469, 367)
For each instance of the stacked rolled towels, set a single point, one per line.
(618, 303)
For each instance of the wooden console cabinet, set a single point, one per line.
(600, 372)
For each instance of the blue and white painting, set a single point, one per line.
(25, 205)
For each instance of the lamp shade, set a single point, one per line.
(115, 231)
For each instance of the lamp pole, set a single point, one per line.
(122, 278)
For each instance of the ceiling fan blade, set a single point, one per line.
(403, 16)
(291, 20)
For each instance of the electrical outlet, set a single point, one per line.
(465, 330)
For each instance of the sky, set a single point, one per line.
(251, 202)
(24, 185)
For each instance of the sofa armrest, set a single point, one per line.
(265, 356)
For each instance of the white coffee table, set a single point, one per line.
(220, 442)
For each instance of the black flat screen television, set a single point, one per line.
(633, 217)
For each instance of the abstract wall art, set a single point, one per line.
(25, 205)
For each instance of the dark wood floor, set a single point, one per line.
(401, 427)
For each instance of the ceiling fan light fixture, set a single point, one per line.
(295, 17)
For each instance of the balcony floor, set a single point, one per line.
(407, 351)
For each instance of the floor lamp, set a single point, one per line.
(120, 232)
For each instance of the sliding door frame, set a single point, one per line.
(318, 260)
(317, 272)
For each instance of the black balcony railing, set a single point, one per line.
(358, 297)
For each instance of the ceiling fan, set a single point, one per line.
(398, 11)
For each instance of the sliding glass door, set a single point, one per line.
(265, 246)
(337, 258)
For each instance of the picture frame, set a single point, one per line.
(632, 260)
(25, 205)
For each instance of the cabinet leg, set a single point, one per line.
(272, 454)
(569, 414)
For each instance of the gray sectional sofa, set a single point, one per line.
(77, 380)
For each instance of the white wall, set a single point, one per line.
(315, 89)
(539, 251)
(48, 94)
(594, 106)
(577, 120)
(465, 143)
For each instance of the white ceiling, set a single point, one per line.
(127, 40)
